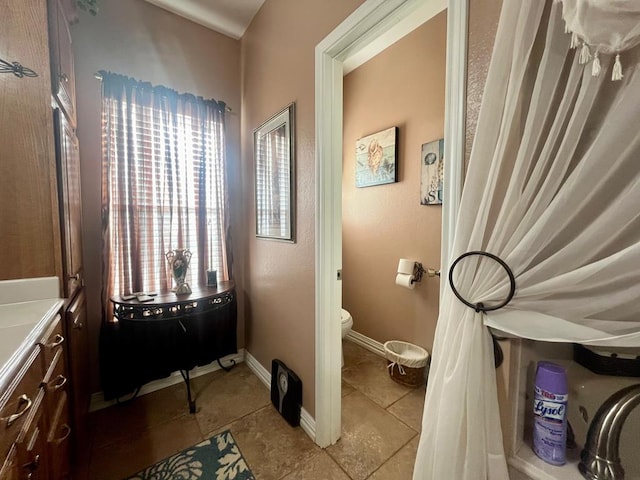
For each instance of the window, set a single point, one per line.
(164, 185)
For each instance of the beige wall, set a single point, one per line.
(278, 68)
(137, 39)
(403, 86)
(483, 24)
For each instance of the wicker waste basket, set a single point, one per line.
(406, 362)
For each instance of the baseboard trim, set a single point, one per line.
(256, 367)
(98, 402)
(366, 342)
(307, 422)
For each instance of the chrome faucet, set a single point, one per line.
(599, 459)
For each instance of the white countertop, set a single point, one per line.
(27, 307)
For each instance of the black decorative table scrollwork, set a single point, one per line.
(153, 339)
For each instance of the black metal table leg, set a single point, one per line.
(227, 369)
(192, 403)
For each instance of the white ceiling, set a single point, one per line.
(229, 17)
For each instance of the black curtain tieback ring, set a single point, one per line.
(498, 356)
(480, 307)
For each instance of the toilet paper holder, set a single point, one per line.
(416, 270)
(419, 271)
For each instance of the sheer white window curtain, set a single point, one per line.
(553, 189)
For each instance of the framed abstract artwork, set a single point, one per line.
(377, 158)
(432, 161)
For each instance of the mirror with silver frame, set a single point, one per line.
(274, 154)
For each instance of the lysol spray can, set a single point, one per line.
(550, 413)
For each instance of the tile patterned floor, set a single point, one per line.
(380, 425)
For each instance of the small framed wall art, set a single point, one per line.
(432, 161)
(377, 158)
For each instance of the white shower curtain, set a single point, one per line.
(553, 189)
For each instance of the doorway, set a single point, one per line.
(375, 25)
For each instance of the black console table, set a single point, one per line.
(152, 339)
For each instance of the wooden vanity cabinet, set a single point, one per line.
(59, 441)
(69, 199)
(51, 343)
(9, 471)
(36, 35)
(29, 234)
(16, 405)
(40, 213)
(34, 414)
(66, 143)
(32, 444)
(57, 434)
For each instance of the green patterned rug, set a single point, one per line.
(215, 459)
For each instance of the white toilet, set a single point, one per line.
(347, 322)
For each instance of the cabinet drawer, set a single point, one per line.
(18, 401)
(31, 443)
(51, 342)
(55, 383)
(59, 442)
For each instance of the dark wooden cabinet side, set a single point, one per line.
(40, 211)
(69, 194)
(10, 469)
(29, 220)
(68, 162)
(62, 65)
(77, 334)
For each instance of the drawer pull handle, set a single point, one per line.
(64, 77)
(11, 419)
(34, 464)
(77, 324)
(61, 381)
(67, 432)
(59, 340)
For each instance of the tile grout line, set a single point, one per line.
(385, 409)
(294, 471)
(392, 455)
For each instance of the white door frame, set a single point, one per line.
(373, 26)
